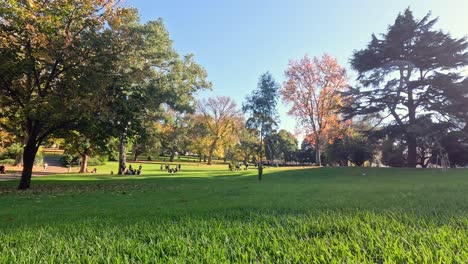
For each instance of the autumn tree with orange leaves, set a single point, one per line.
(314, 89)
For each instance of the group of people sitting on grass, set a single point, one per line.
(2, 169)
(132, 171)
(237, 167)
(168, 168)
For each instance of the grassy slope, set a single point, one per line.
(212, 215)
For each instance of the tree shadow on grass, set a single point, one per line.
(349, 175)
(281, 192)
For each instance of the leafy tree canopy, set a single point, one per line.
(412, 70)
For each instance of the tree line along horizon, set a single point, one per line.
(88, 75)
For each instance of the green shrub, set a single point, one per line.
(16, 149)
(96, 161)
(113, 156)
(7, 161)
(3, 153)
(69, 160)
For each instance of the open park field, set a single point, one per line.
(373, 94)
(207, 214)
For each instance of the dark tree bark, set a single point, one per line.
(318, 153)
(260, 163)
(210, 154)
(84, 162)
(122, 155)
(29, 155)
(412, 150)
(171, 158)
(260, 171)
(18, 160)
(411, 137)
(33, 141)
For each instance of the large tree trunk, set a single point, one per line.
(171, 158)
(29, 155)
(318, 159)
(412, 150)
(410, 136)
(122, 155)
(18, 160)
(210, 154)
(260, 171)
(84, 162)
(260, 163)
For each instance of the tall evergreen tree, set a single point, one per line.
(261, 109)
(411, 71)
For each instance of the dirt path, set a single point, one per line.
(54, 166)
(14, 172)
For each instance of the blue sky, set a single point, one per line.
(236, 41)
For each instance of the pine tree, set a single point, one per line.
(411, 71)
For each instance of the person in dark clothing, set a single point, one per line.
(2, 169)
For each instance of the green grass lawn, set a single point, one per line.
(210, 215)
